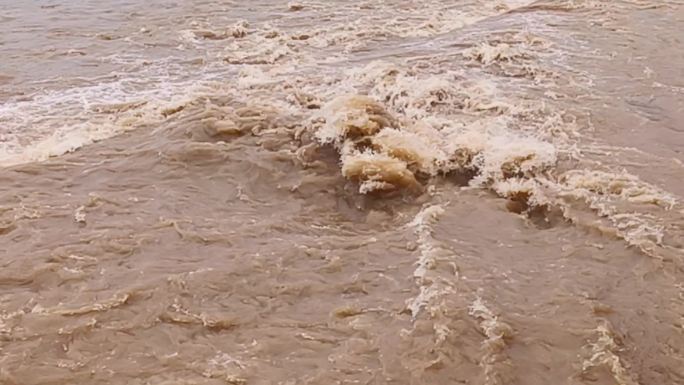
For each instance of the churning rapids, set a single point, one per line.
(342, 192)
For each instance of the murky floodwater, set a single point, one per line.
(375, 192)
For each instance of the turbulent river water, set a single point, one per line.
(342, 192)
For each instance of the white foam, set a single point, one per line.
(52, 123)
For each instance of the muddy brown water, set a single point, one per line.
(376, 192)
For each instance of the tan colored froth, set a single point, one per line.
(355, 122)
(377, 171)
(353, 116)
(376, 146)
(418, 153)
